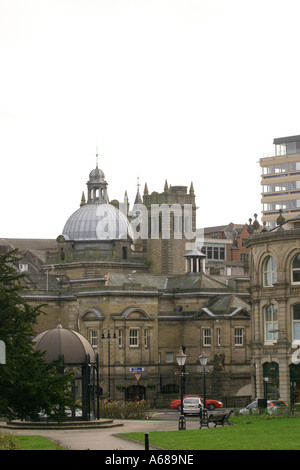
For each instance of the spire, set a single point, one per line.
(146, 192)
(138, 198)
(192, 188)
(96, 156)
(83, 201)
(166, 186)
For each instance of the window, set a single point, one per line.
(215, 252)
(238, 336)
(169, 357)
(271, 323)
(94, 338)
(120, 338)
(296, 321)
(296, 270)
(124, 252)
(206, 336)
(269, 272)
(146, 338)
(134, 338)
(218, 337)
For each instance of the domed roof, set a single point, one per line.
(67, 343)
(97, 222)
(97, 176)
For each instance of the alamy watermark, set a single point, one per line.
(296, 353)
(159, 221)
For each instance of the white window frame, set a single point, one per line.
(120, 338)
(169, 357)
(295, 324)
(134, 337)
(218, 336)
(94, 338)
(270, 323)
(239, 336)
(269, 272)
(206, 337)
(146, 337)
(295, 271)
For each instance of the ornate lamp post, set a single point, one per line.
(108, 337)
(181, 358)
(203, 361)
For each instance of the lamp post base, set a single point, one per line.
(181, 423)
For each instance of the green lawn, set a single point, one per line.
(37, 443)
(247, 433)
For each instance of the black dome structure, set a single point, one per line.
(77, 354)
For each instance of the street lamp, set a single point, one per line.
(203, 361)
(181, 358)
(108, 337)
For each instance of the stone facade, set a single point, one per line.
(275, 288)
(134, 301)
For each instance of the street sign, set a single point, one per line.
(136, 369)
(137, 377)
(2, 353)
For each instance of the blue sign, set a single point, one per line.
(136, 369)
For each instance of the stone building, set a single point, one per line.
(275, 288)
(129, 283)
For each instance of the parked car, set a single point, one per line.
(192, 405)
(210, 404)
(273, 407)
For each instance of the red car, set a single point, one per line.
(210, 404)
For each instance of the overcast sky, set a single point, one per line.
(183, 90)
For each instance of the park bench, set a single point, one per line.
(220, 417)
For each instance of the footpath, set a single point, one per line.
(106, 438)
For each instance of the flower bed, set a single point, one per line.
(125, 410)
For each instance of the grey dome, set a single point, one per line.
(97, 222)
(97, 176)
(67, 343)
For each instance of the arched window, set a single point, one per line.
(269, 272)
(271, 323)
(296, 270)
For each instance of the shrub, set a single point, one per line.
(8, 441)
(125, 410)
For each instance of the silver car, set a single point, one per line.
(192, 405)
(273, 407)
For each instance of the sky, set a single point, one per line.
(177, 90)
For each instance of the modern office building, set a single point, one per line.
(281, 181)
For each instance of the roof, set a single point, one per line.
(144, 280)
(226, 304)
(283, 140)
(194, 281)
(37, 246)
(60, 341)
(97, 222)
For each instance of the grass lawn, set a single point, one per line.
(37, 443)
(248, 433)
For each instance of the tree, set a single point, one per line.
(28, 385)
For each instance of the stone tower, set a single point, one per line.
(171, 228)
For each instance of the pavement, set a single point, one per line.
(106, 438)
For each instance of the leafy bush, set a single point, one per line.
(8, 441)
(125, 410)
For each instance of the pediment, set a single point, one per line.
(92, 314)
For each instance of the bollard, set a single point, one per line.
(146, 434)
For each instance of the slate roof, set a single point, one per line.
(194, 282)
(226, 305)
